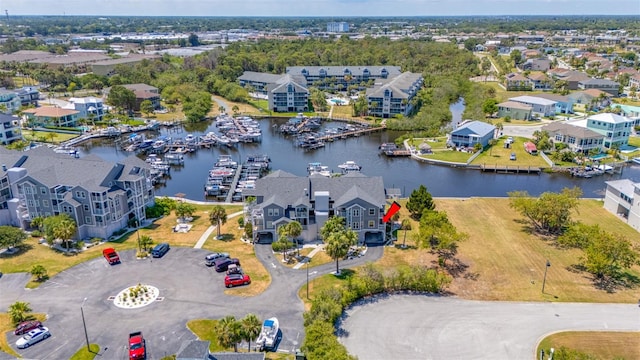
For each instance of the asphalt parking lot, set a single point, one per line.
(188, 290)
(432, 327)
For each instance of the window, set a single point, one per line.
(269, 212)
(43, 190)
(45, 203)
(355, 225)
(276, 212)
(86, 207)
(269, 225)
(87, 219)
(372, 211)
(558, 137)
(355, 212)
(372, 224)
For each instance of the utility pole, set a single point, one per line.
(544, 280)
(84, 324)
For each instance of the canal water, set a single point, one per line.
(402, 173)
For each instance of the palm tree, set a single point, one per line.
(251, 327)
(18, 311)
(338, 239)
(291, 231)
(218, 216)
(229, 333)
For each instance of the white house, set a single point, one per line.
(539, 106)
(87, 107)
(622, 199)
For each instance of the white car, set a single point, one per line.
(33, 337)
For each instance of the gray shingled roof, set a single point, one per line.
(193, 350)
(52, 169)
(599, 82)
(286, 189)
(340, 70)
(260, 77)
(283, 82)
(400, 86)
(474, 127)
(571, 130)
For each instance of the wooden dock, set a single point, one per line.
(397, 152)
(234, 184)
(354, 133)
(510, 169)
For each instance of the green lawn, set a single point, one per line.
(47, 136)
(84, 354)
(448, 155)
(439, 143)
(602, 345)
(499, 155)
(204, 329)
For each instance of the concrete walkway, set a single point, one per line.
(308, 257)
(210, 229)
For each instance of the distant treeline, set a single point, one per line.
(56, 25)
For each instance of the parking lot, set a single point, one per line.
(188, 290)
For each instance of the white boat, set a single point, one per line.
(605, 168)
(349, 166)
(268, 335)
(319, 169)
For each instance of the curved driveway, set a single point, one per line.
(432, 327)
(188, 288)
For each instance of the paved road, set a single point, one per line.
(189, 289)
(431, 327)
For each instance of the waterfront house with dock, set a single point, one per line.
(470, 133)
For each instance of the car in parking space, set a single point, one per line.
(211, 258)
(160, 249)
(236, 280)
(33, 337)
(234, 269)
(222, 264)
(26, 326)
(512, 156)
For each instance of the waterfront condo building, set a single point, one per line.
(100, 196)
(90, 108)
(281, 197)
(615, 128)
(391, 97)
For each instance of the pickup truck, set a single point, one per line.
(111, 255)
(137, 348)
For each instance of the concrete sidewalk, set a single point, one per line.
(308, 257)
(207, 233)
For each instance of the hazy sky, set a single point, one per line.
(346, 8)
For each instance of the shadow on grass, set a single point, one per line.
(225, 237)
(405, 247)
(16, 251)
(610, 284)
(345, 274)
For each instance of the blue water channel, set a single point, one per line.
(402, 172)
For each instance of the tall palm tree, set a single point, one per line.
(18, 311)
(405, 225)
(338, 239)
(218, 216)
(251, 327)
(229, 332)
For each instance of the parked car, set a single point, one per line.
(211, 258)
(512, 156)
(234, 269)
(111, 255)
(33, 337)
(236, 279)
(159, 250)
(26, 326)
(222, 264)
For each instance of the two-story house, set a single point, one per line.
(615, 128)
(622, 199)
(100, 196)
(578, 139)
(286, 95)
(28, 96)
(9, 129)
(52, 116)
(281, 197)
(10, 100)
(470, 133)
(608, 86)
(87, 107)
(539, 106)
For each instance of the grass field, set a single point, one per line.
(603, 345)
(499, 155)
(449, 155)
(507, 263)
(504, 95)
(243, 108)
(84, 354)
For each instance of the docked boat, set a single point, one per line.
(268, 335)
(316, 168)
(349, 166)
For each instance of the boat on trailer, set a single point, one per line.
(268, 335)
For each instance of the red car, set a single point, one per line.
(236, 279)
(26, 326)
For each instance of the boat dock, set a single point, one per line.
(234, 184)
(510, 169)
(397, 152)
(353, 133)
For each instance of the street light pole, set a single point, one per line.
(544, 280)
(84, 324)
(138, 233)
(308, 261)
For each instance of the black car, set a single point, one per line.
(222, 264)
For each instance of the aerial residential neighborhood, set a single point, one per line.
(311, 184)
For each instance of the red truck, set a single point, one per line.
(111, 255)
(137, 348)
